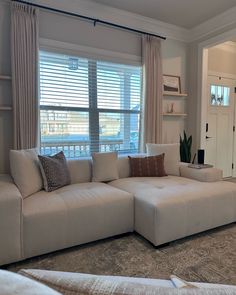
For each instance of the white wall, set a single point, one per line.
(174, 63)
(72, 30)
(222, 58)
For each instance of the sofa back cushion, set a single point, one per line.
(105, 167)
(25, 171)
(172, 156)
(80, 170)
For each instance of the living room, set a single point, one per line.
(97, 92)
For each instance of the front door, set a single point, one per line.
(220, 122)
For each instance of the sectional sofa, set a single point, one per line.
(161, 209)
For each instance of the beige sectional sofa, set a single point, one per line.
(161, 209)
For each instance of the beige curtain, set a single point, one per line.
(151, 122)
(24, 44)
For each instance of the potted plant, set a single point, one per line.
(185, 148)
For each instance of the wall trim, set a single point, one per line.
(217, 23)
(222, 75)
(118, 16)
(139, 22)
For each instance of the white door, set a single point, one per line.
(220, 124)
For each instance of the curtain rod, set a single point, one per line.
(94, 20)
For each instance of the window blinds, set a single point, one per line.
(88, 105)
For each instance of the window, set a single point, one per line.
(220, 95)
(88, 106)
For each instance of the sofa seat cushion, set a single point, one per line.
(75, 214)
(173, 207)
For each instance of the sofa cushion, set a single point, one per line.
(80, 170)
(25, 171)
(73, 215)
(78, 284)
(54, 171)
(169, 208)
(105, 166)
(147, 166)
(15, 284)
(172, 155)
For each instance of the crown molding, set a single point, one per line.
(213, 25)
(136, 21)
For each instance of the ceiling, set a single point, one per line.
(184, 13)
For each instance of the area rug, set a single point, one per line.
(207, 257)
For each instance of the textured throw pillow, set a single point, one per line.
(147, 166)
(54, 171)
(105, 166)
(25, 171)
(172, 156)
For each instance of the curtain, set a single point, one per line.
(24, 46)
(151, 122)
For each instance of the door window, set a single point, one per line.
(219, 95)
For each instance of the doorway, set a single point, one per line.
(220, 123)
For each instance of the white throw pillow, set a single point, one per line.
(105, 166)
(172, 156)
(25, 171)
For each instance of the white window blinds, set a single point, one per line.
(88, 106)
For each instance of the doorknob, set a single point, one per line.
(207, 137)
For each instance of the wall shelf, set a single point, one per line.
(5, 77)
(175, 114)
(175, 94)
(5, 108)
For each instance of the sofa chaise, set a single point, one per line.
(161, 209)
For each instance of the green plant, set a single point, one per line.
(185, 148)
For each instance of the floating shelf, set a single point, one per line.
(5, 108)
(175, 94)
(5, 77)
(175, 114)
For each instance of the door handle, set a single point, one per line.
(207, 137)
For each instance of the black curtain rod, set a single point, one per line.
(94, 20)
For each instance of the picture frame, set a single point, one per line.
(171, 84)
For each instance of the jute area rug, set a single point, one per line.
(206, 257)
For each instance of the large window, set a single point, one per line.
(88, 106)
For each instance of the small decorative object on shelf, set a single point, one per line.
(170, 108)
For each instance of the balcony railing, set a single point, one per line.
(78, 149)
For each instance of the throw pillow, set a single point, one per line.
(147, 166)
(25, 171)
(105, 166)
(54, 171)
(172, 156)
